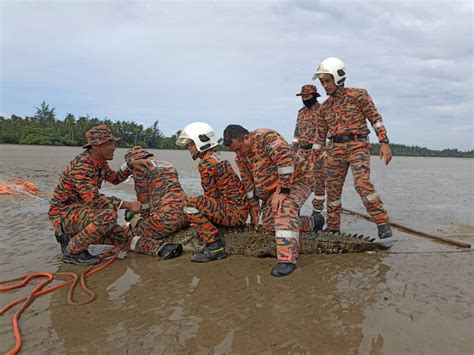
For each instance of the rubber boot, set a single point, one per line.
(170, 251)
(212, 251)
(82, 258)
(63, 240)
(384, 231)
(283, 269)
(318, 221)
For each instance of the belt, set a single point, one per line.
(306, 146)
(348, 138)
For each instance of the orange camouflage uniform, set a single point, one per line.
(80, 211)
(162, 198)
(303, 142)
(345, 114)
(223, 203)
(271, 165)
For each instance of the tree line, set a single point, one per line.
(45, 129)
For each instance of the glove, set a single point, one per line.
(133, 218)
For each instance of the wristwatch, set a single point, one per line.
(385, 140)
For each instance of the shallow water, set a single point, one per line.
(418, 300)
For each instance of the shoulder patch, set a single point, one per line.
(276, 143)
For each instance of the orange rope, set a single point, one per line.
(39, 290)
(16, 186)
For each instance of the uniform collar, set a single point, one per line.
(339, 92)
(96, 163)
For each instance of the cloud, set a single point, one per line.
(241, 62)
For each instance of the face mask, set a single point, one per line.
(310, 102)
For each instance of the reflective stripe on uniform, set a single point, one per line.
(125, 168)
(378, 124)
(249, 194)
(283, 170)
(317, 146)
(371, 196)
(287, 234)
(320, 198)
(133, 243)
(190, 210)
(336, 203)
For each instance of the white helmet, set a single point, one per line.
(200, 133)
(333, 66)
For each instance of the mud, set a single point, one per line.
(418, 300)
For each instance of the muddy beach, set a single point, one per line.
(416, 299)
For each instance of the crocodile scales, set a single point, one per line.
(246, 241)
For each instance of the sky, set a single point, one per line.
(241, 62)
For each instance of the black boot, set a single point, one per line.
(82, 258)
(63, 240)
(283, 269)
(212, 251)
(384, 231)
(170, 251)
(318, 221)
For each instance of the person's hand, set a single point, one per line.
(254, 218)
(323, 155)
(134, 206)
(385, 152)
(141, 164)
(313, 156)
(277, 201)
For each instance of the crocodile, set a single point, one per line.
(246, 241)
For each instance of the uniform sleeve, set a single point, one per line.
(116, 177)
(247, 181)
(208, 173)
(321, 130)
(369, 110)
(86, 184)
(296, 134)
(309, 127)
(282, 156)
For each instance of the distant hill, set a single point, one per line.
(416, 151)
(44, 129)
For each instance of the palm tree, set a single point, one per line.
(44, 114)
(69, 121)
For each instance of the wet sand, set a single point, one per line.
(416, 300)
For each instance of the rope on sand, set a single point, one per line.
(40, 290)
(412, 230)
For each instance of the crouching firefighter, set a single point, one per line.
(161, 197)
(223, 203)
(271, 172)
(79, 213)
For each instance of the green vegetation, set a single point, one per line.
(44, 128)
(415, 151)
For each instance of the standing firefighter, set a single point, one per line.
(304, 142)
(162, 198)
(223, 203)
(343, 123)
(271, 172)
(80, 214)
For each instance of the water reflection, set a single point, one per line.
(230, 306)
